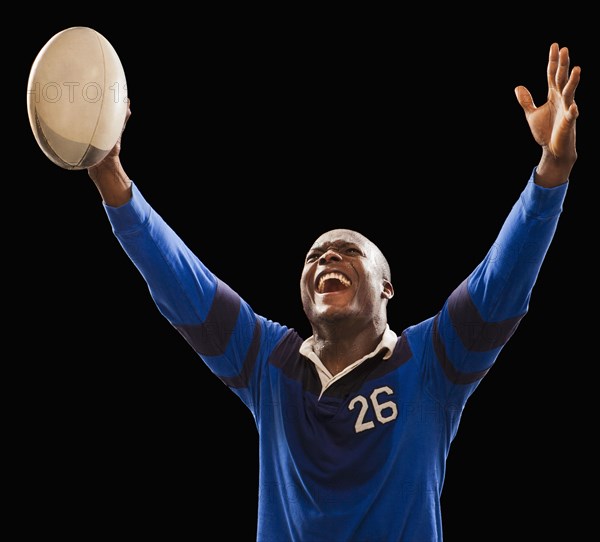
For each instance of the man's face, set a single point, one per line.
(342, 278)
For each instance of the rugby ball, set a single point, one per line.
(77, 98)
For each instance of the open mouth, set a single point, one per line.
(332, 282)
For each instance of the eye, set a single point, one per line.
(353, 251)
(312, 257)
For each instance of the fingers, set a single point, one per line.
(128, 110)
(558, 71)
(552, 65)
(562, 73)
(127, 115)
(558, 67)
(572, 113)
(569, 89)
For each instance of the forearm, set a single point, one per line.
(182, 287)
(502, 283)
(484, 311)
(213, 319)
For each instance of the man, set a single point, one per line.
(356, 421)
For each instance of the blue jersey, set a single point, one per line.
(365, 460)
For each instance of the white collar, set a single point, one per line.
(388, 341)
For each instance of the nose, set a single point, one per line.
(330, 256)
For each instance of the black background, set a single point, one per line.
(252, 133)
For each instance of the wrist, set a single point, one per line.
(111, 181)
(552, 171)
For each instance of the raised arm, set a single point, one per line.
(553, 124)
(482, 314)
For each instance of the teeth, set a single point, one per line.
(336, 276)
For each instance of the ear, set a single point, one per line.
(388, 290)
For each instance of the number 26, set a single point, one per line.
(379, 408)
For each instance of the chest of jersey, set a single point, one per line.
(377, 411)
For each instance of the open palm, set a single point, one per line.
(553, 124)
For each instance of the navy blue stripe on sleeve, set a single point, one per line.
(452, 373)
(211, 337)
(476, 334)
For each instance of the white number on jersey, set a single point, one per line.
(384, 412)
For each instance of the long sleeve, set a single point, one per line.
(483, 312)
(218, 324)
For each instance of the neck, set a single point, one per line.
(338, 348)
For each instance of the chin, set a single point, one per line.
(333, 314)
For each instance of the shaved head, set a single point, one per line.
(352, 236)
